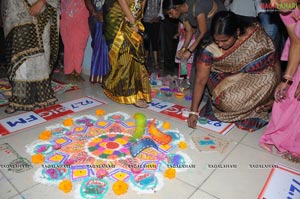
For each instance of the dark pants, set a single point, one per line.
(169, 28)
(152, 30)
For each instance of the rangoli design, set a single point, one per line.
(98, 151)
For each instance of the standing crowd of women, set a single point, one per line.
(234, 59)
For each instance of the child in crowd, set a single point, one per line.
(184, 66)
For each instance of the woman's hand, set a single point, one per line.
(99, 16)
(297, 92)
(186, 55)
(134, 28)
(37, 7)
(281, 92)
(192, 121)
(179, 54)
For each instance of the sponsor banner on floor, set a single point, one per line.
(283, 182)
(32, 118)
(53, 112)
(82, 104)
(181, 113)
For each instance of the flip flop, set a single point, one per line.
(78, 77)
(10, 110)
(292, 157)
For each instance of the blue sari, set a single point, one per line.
(100, 63)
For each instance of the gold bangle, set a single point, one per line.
(193, 113)
(183, 49)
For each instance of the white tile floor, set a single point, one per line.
(199, 183)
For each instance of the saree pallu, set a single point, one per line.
(128, 80)
(32, 48)
(240, 81)
(99, 63)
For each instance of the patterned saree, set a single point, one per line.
(31, 47)
(128, 80)
(241, 79)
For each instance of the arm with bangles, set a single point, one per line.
(128, 15)
(187, 39)
(201, 19)
(37, 7)
(293, 64)
(202, 76)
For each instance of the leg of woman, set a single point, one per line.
(155, 42)
(65, 30)
(81, 34)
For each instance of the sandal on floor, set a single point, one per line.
(70, 77)
(79, 78)
(292, 157)
(141, 104)
(10, 110)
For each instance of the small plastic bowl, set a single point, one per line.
(202, 120)
(179, 95)
(159, 94)
(153, 92)
(165, 88)
(168, 94)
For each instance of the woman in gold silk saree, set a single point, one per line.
(128, 80)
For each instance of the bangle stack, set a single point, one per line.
(289, 82)
(189, 51)
(133, 24)
(287, 79)
(193, 113)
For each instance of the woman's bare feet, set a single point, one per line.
(141, 104)
(267, 147)
(293, 157)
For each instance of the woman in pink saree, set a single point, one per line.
(283, 131)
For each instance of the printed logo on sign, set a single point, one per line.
(158, 105)
(21, 121)
(81, 104)
(53, 112)
(176, 111)
(217, 126)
